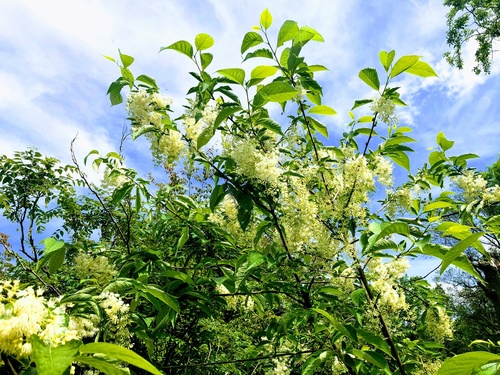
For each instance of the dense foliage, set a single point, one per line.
(478, 19)
(269, 248)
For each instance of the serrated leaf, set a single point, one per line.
(421, 69)
(56, 260)
(370, 77)
(203, 41)
(120, 353)
(458, 249)
(271, 125)
(181, 46)
(236, 75)
(263, 52)
(403, 63)
(322, 110)
(147, 80)
(206, 59)
(266, 19)
(251, 39)
(278, 91)
(386, 59)
(288, 31)
(359, 103)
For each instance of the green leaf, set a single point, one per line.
(271, 125)
(278, 91)
(114, 91)
(126, 59)
(421, 69)
(150, 81)
(183, 238)
(127, 75)
(51, 244)
(386, 59)
(311, 365)
(225, 113)
(206, 59)
(374, 358)
(370, 77)
(322, 110)
(217, 196)
(466, 363)
(318, 126)
(251, 39)
(102, 365)
(317, 37)
(400, 158)
(234, 74)
(182, 47)
(439, 204)
(203, 41)
(51, 360)
(266, 19)
(164, 297)
(261, 72)
(444, 143)
(120, 353)
(461, 261)
(403, 63)
(288, 31)
(359, 103)
(120, 193)
(109, 58)
(316, 68)
(263, 52)
(56, 260)
(374, 340)
(459, 249)
(205, 137)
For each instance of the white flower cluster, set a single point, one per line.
(385, 108)
(472, 185)
(439, 325)
(171, 144)
(193, 127)
(256, 164)
(25, 312)
(142, 105)
(117, 312)
(384, 281)
(97, 268)
(383, 170)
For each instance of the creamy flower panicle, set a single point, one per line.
(25, 312)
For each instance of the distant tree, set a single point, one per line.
(479, 19)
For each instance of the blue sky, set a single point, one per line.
(53, 78)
